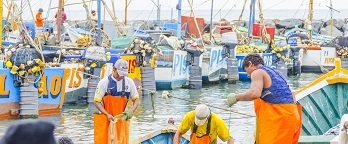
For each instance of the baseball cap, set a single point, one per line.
(121, 67)
(202, 113)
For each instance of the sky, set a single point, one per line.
(140, 5)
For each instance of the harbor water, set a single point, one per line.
(76, 121)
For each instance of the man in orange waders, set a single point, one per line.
(205, 127)
(39, 21)
(111, 98)
(278, 117)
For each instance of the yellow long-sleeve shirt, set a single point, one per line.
(218, 127)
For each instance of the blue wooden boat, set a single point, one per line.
(324, 102)
(213, 64)
(268, 58)
(164, 136)
(172, 70)
(50, 103)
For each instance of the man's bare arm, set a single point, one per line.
(255, 89)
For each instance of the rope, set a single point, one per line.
(31, 11)
(113, 7)
(229, 120)
(275, 4)
(229, 11)
(195, 20)
(112, 133)
(241, 14)
(224, 109)
(219, 11)
(298, 9)
(48, 11)
(201, 4)
(120, 28)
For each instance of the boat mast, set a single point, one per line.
(99, 21)
(251, 16)
(59, 19)
(331, 11)
(158, 12)
(125, 12)
(178, 28)
(1, 21)
(310, 17)
(211, 20)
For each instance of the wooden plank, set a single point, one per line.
(316, 139)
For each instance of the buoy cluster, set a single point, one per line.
(342, 53)
(23, 61)
(247, 49)
(280, 52)
(143, 48)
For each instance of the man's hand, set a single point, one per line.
(128, 114)
(110, 117)
(231, 99)
(346, 125)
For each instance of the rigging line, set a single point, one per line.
(5, 4)
(154, 3)
(298, 9)
(201, 4)
(91, 5)
(143, 12)
(48, 11)
(113, 7)
(195, 20)
(219, 11)
(31, 11)
(241, 14)
(228, 12)
(224, 109)
(274, 5)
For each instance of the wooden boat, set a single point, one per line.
(172, 70)
(324, 102)
(213, 63)
(50, 103)
(163, 136)
(76, 87)
(267, 58)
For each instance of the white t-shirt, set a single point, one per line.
(103, 86)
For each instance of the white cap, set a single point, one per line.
(122, 67)
(202, 113)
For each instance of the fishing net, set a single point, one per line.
(121, 43)
(22, 55)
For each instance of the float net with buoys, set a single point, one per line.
(25, 63)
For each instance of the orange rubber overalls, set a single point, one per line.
(114, 103)
(205, 139)
(277, 123)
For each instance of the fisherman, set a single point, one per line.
(39, 23)
(94, 17)
(61, 20)
(205, 127)
(278, 117)
(111, 98)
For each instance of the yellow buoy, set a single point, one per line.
(9, 64)
(14, 70)
(93, 65)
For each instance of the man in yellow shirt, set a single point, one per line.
(205, 127)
